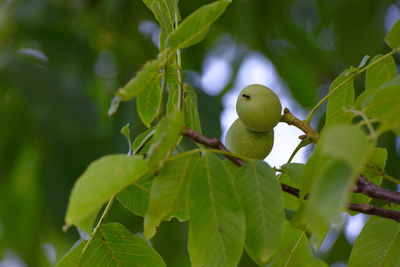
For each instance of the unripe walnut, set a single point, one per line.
(258, 108)
(247, 143)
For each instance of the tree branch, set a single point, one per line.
(290, 119)
(368, 188)
(363, 185)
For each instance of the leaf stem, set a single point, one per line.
(96, 229)
(163, 88)
(367, 122)
(302, 144)
(179, 70)
(351, 76)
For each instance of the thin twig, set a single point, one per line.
(290, 119)
(372, 210)
(368, 188)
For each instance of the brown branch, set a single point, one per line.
(368, 188)
(363, 185)
(372, 210)
(290, 119)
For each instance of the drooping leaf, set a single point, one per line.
(342, 150)
(380, 73)
(377, 245)
(169, 192)
(73, 256)
(217, 222)
(261, 196)
(393, 37)
(114, 245)
(165, 138)
(192, 119)
(194, 28)
(144, 78)
(136, 196)
(341, 100)
(147, 103)
(103, 179)
(295, 250)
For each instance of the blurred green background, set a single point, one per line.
(62, 60)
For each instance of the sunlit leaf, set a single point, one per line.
(377, 245)
(144, 78)
(103, 179)
(217, 222)
(114, 245)
(165, 138)
(341, 100)
(261, 196)
(194, 28)
(393, 37)
(136, 196)
(380, 73)
(73, 256)
(147, 103)
(169, 191)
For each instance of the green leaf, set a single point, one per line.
(380, 73)
(377, 245)
(147, 103)
(384, 105)
(194, 28)
(292, 173)
(340, 101)
(217, 222)
(393, 37)
(136, 196)
(144, 79)
(169, 191)
(73, 256)
(295, 250)
(192, 119)
(341, 151)
(103, 179)
(261, 196)
(165, 138)
(114, 245)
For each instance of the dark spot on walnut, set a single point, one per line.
(246, 96)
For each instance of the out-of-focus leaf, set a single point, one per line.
(377, 245)
(341, 150)
(114, 245)
(380, 73)
(144, 78)
(169, 192)
(192, 119)
(341, 100)
(165, 138)
(136, 196)
(147, 103)
(292, 172)
(194, 28)
(295, 250)
(393, 37)
(217, 221)
(72, 258)
(103, 179)
(261, 196)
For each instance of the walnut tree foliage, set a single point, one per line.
(235, 208)
(177, 197)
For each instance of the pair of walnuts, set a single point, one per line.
(252, 135)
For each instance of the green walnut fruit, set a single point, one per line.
(242, 141)
(258, 108)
